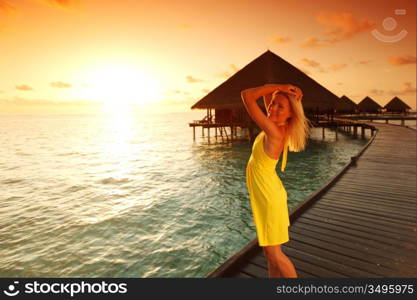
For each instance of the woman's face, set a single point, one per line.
(279, 109)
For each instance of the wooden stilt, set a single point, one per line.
(208, 134)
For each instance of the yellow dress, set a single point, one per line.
(268, 197)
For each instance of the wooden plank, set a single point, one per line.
(318, 271)
(242, 275)
(362, 226)
(375, 222)
(363, 255)
(340, 270)
(230, 265)
(261, 261)
(398, 203)
(379, 179)
(254, 270)
(406, 213)
(371, 268)
(381, 194)
(376, 191)
(394, 203)
(366, 213)
(381, 247)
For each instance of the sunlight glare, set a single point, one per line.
(119, 87)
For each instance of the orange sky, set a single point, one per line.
(68, 56)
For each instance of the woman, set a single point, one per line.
(285, 126)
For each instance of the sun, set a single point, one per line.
(120, 86)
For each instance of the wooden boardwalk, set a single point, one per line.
(362, 224)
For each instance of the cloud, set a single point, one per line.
(338, 27)
(60, 84)
(310, 63)
(6, 7)
(206, 91)
(313, 64)
(179, 92)
(311, 42)
(406, 89)
(191, 79)
(227, 74)
(343, 26)
(376, 92)
(281, 39)
(19, 101)
(316, 65)
(23, 87)
(402, 60)
(61, 3)
(337, 67)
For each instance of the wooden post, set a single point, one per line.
(251, 134)
(208, 134)
(202, 130)
(402, 122)
(363, 131)
(336, 131)
(355, 131)
(323, 132)
(194, 133)
(386, 121)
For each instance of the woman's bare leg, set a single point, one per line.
(279, 265)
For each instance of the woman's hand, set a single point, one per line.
(288, 88)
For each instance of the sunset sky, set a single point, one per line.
(80, 56)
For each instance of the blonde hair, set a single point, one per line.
(299, 127)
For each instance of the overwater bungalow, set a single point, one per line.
(346, 106)
(368, 105)
(225, 107)
(396, 105)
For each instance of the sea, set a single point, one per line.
(136, 195)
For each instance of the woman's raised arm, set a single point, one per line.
(249, 97)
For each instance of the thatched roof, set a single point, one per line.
(396, 104)
(368, 105)
(345, 104)
(267, 68)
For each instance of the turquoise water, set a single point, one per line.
(102, 196)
